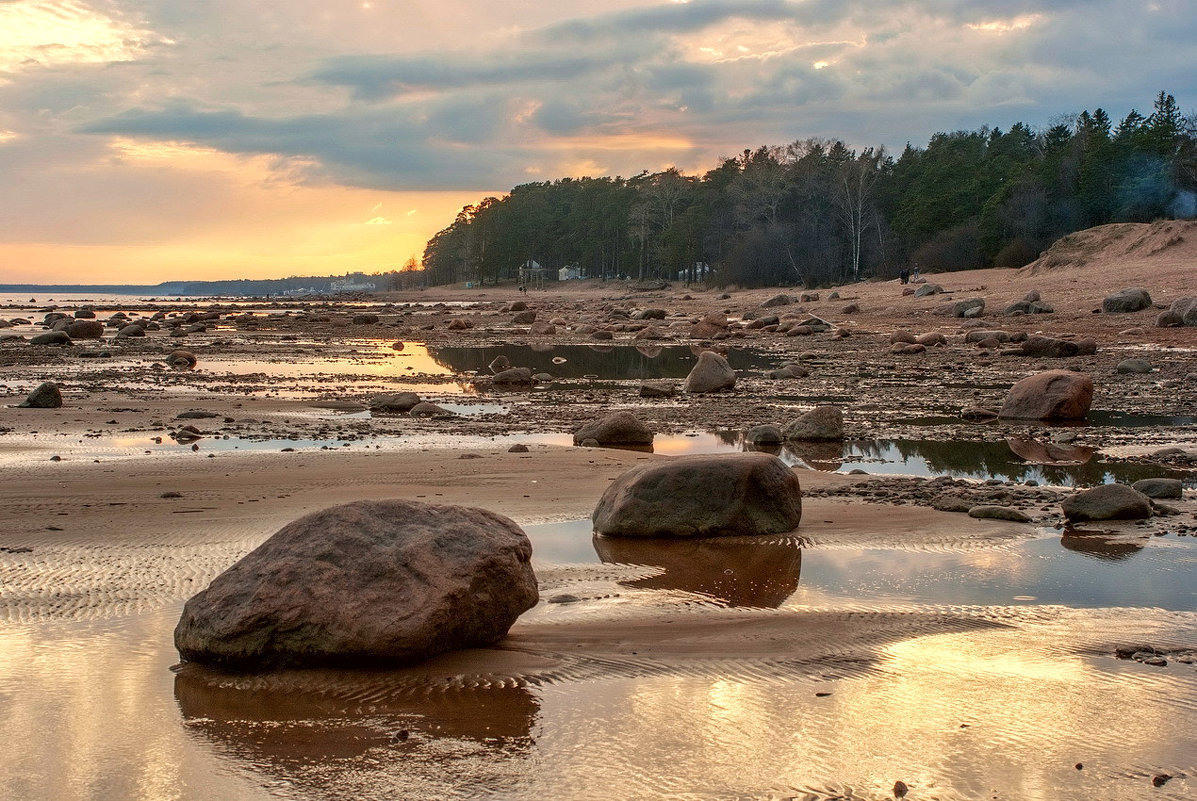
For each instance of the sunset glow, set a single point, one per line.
(145, 141)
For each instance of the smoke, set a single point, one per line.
(1184, 205)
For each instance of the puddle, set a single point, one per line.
(1078, 569)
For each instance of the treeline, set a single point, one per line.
(818, 212)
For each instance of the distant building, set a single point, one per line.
(353, 282)
(569, 273)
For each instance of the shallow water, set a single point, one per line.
(997, 680)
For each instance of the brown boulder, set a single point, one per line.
(46, 396)
(1107, 502)
(711, 373)
(1050, 395)
(820, 423)
(620, 428)
(702, 496)
(370, 582)
(84, 329)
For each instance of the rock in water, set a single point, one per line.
(1050, 395)
(1107, 502)
(712, 373)
(820, 423)
(370, 582)
(702, 496)
(620, 428)
(46, 396)
(394, 402)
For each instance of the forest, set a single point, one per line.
(817, 212)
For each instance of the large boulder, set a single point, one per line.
(370, 582)
(711, 373)
(928, 289)
(702, 496)
(46, 396)
(1126, 300)
(1107, 502)
(1050, 395)
(820, 423)
(620, 428)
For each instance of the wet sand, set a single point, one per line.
(822, 665)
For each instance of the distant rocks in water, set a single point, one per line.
(459, 324)
(1183, 311)
(428, 409)
(514, 377)
(47, 395)
(1107, 502)
(1050, 395)
(1133, 366)
(619, 428)
(820, 423)
(765, 435)
(499, 364)
(51, 338)
(711, 373)
(658, 389)
(85, 329)
(1160, 488)
(132, 330)
(394, 402)
(702, 496)
(367, 583)
(365, 319)
(1126, 300)
(181, 359)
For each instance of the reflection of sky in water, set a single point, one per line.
(1082, 570)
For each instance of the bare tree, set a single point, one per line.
(854, 197)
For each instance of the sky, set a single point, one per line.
(213, 139)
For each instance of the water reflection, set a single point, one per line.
(739, 571)
(285, 720)
(1102, 545)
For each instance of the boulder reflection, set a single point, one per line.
(739, 571)
(1102, 545)
(297, 717)
(826, 456)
